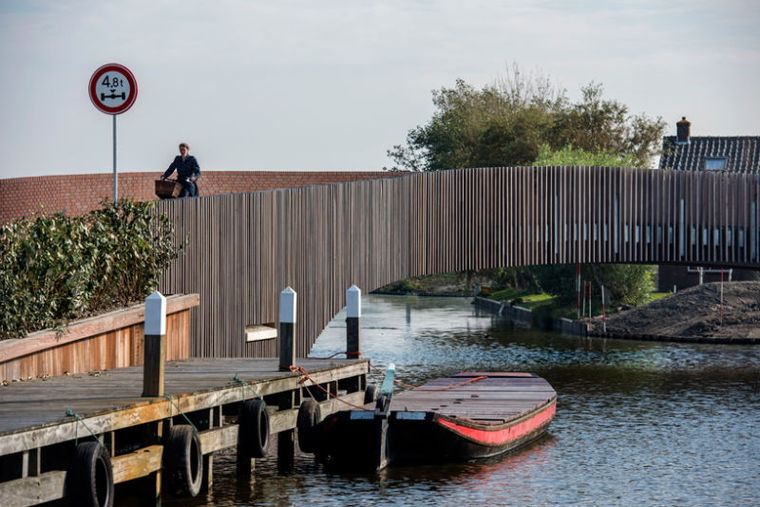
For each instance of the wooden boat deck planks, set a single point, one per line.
(497, 398)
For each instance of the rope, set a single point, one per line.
(306, 377)
(417, 388)
(171, 412)
(71, 413)
(302, 371)
(244, 384)
(357, 352)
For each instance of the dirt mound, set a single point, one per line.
(693, 313)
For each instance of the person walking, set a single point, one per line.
(188, 171)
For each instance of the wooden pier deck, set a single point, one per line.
(37, 436)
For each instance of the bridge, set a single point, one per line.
(245, 248)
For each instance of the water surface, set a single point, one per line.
(637, 422)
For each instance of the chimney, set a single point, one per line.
(682, 131)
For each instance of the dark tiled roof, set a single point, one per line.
(742, 154)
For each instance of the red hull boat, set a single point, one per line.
(462, 417)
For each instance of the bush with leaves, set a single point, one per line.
(628, 284)
(58, 268)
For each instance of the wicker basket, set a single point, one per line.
(168, 189)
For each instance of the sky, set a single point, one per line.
(334, 84)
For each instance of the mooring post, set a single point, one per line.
(286, 439)
(287, 328)
(153, 377)
(353, 316)
(155, 345)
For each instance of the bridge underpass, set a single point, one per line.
(245, 248)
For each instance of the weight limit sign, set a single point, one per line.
(113, 88)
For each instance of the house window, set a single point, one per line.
(715, 164)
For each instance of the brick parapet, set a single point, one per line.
(78, 194)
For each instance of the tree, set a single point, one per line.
(627, 283)
(525, 119)
(570, 155)
(505, 123)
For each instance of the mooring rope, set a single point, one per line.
(171, 412)
(306, 377)
(71, 413)
(418, 388)
(348, 352)
(475, 379)
(244, 385)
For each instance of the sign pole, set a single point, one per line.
(113, 90)
(115, 181)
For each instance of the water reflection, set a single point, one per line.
(637, 422)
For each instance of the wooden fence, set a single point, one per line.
(102, 342)
(245, 248)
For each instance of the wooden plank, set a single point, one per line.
(139, 463)
(40, 340)
(494, 400)
(284, 420)
(219, 438)
(33, 490)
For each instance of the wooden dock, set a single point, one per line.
(38, 439)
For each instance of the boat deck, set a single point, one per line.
(496, 399)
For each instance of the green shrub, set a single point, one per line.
(59, 268)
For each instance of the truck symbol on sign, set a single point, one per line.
(113, 95)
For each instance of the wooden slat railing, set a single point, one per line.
(245, 248)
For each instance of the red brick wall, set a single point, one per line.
(79, 193)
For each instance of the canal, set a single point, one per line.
(637, 422)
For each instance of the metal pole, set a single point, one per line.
(578, 290)
(115, 184)
(604, 315)
(721, 296)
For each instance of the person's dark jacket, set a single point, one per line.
(186, 169)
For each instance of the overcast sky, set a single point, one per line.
(333, 84)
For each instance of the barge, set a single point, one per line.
(461, 417)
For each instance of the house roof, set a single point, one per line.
(742, 154)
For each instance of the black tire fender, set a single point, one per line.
(89, 479)
(309, 416)
(253, 435)
(370, 393)
(183, 461)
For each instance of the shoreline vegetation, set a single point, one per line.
(692, 314)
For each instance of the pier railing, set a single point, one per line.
(103, 342)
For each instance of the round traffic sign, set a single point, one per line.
(113, 88)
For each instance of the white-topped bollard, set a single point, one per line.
(288, 299)
(353, 318)
(155, 345)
